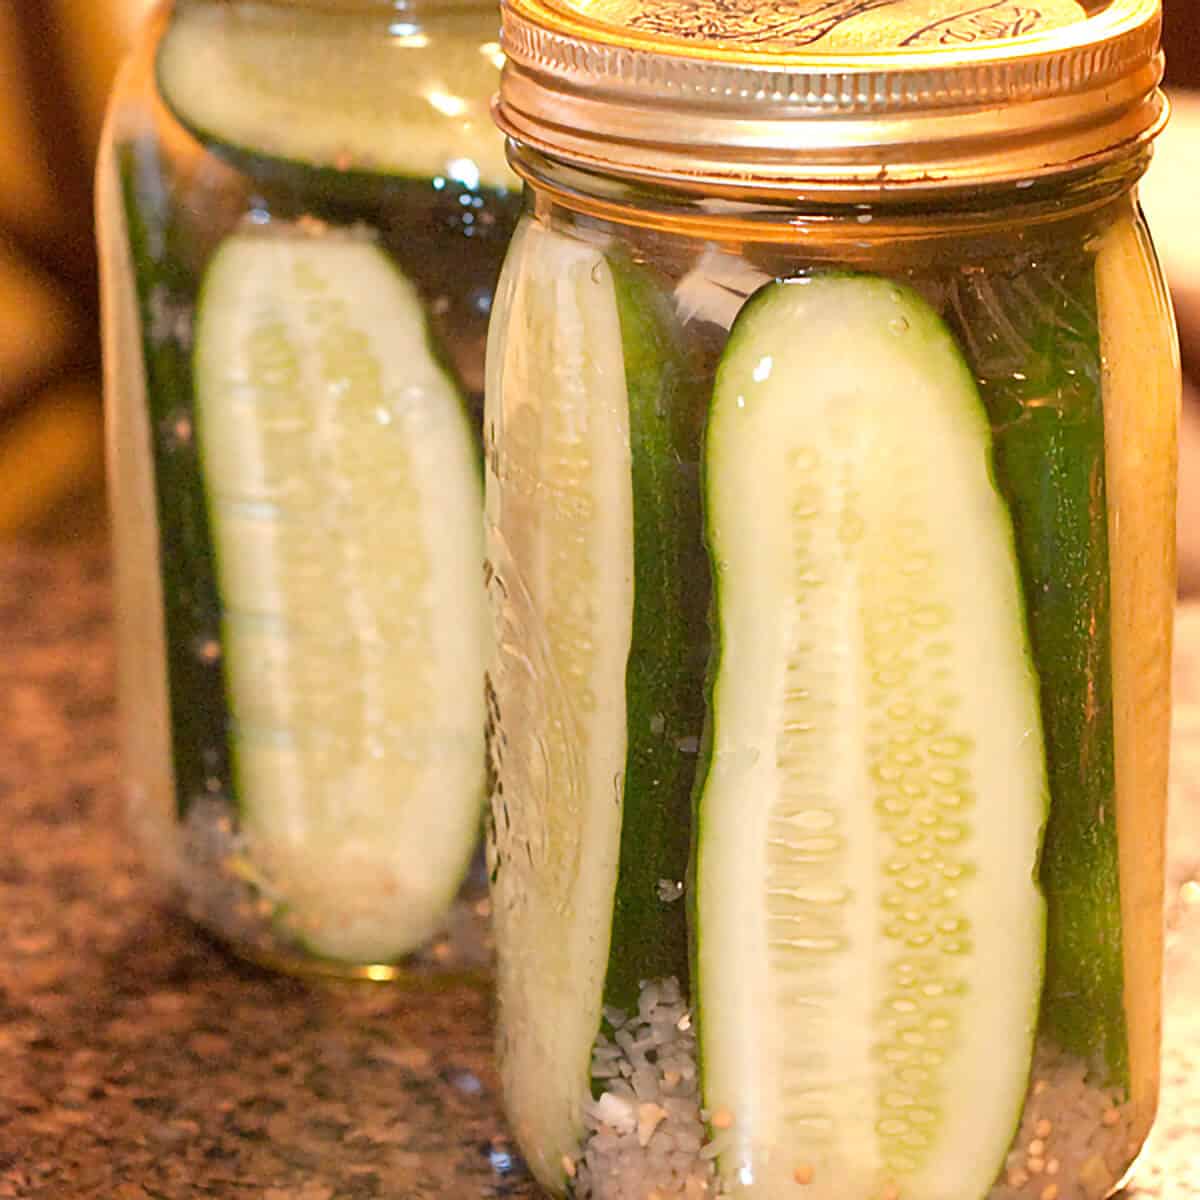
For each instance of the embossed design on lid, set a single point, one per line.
(837, 26)
(832, 96)
(990, 23)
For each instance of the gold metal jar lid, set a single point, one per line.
(831, 97)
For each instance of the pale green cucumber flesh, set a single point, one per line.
(560, 549)
(344, 502)
(869, 929)
(335, 92)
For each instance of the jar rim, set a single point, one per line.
(708, 106)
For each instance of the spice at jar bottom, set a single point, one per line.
(830, 437)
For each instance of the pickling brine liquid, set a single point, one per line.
(832, 561)
(303, 215)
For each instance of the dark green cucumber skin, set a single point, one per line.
(470, 227)
(664, 674)
(1033, 339)
(164, 277)
(328, 190)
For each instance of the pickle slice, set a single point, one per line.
(869, 931)
(1031, 332)
(560, 542)
(344, 501)
(334, 91)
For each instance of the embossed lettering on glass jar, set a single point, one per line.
(830, 451)
(303, 209)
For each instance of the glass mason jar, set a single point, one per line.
(829, 472)
(302, 211)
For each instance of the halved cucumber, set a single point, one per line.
(334, 91)
(589, 541)
(1033, 341)
(163, 249)
(344, 502)
(560, 544)
(664, 681)
(869, 927)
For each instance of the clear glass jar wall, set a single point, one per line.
(303, 210)
(831, 551)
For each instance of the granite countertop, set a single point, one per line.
(140, 1062)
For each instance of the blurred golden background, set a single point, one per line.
(57, 61)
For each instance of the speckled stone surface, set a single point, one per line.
(139, 1062)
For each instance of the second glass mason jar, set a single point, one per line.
(830, 468)
(303, 205)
